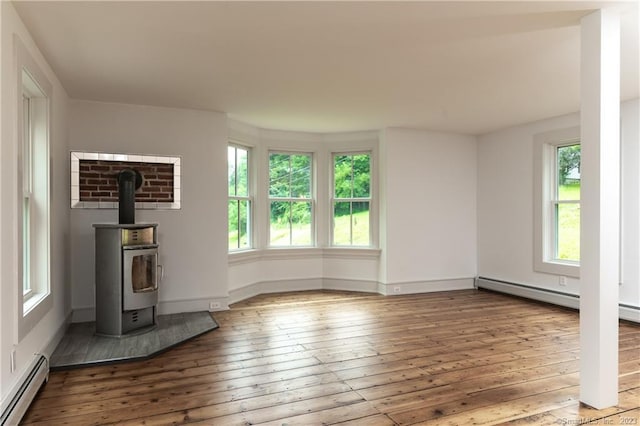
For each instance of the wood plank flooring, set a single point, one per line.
(312, 358)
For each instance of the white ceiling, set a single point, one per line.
(468, 67)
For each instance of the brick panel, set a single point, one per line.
(98, 180)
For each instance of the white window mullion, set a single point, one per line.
(351, 213)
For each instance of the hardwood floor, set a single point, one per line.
(311, 358)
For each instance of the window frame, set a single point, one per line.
(33, 138)
(333, 199)
(546, 200)
(555, 202)
(249, 198)
(311, 200)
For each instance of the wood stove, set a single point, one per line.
(126, 267)
(126, 278)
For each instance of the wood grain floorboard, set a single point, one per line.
(332, 357)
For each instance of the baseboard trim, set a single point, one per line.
(304, 284)
(429, 286)
(52, 344)
(341, 284)
(626, 312)
(630, 313)
(365, 286)
(211, 303)
(530, 292)
(279, 286)
(276, 286)
(23, 394)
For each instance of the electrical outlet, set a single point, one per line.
(13, 360)
(562, 281)
(396, 289)
(214, 305)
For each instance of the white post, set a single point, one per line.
(600, 208)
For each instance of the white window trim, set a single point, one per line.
(34, 305)
(249, 197)
(312, 200)
(333, 199)
(543, 189)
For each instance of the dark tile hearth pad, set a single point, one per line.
(80, 346)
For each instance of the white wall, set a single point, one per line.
(505, 204)
(193, 239)
(429, 211)
(42, 338)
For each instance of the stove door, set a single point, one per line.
(140, 280)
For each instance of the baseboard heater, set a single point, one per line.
(20, 402)
(626, 312)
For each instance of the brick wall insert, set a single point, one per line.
(94, 184)
(98, 180)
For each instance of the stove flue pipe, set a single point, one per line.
(128, 181)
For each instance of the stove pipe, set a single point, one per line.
(128, 181)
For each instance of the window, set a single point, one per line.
(239, 198)
(290, 199)
(33, 204)
(34, 184)
(557, 202)
(566, 204)
(351, 199)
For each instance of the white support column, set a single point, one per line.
(600, 207)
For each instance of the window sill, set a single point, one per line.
(247, 256)
(558, 268)
(33, 301)
(352, 253)
(33, 311)
(243, 256)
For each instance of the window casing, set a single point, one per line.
(351, 199)
(240, 200)
(291, 203)
(557, 202)
(33, 189)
